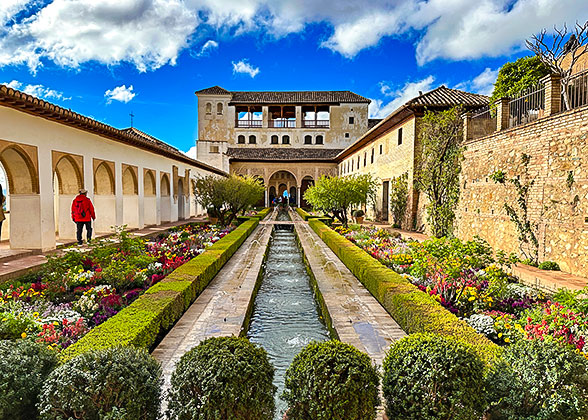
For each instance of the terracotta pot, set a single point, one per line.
(359, 220)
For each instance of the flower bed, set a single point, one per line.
(78, 291)
(471, 281)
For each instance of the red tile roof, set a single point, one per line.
(282, 154)
(285, 97)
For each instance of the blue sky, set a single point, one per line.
(107, 58)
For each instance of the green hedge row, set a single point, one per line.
(163, 304)
(262, 214)
(304, 214)
(414, 310)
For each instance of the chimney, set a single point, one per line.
(420, 93)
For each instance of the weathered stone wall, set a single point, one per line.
(558, 150)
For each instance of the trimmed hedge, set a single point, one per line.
(414, 310)
(262, 214)
(163, 304)
(306, 216)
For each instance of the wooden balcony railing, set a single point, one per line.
(248, 123)
(315, 123)
(281, 123)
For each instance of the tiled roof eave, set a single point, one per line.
(37, 107)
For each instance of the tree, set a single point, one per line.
(226, 197)
(517, 76)
(399, 198)
(337, 195)
(559, 56)
(438, 167)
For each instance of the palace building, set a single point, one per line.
(287, 139)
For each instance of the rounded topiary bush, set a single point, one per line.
(223, 378)
(114, 383)
(539, 380)
(24, 366)
(429, 377)
(331, 380)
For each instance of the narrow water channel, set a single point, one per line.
(285, 316)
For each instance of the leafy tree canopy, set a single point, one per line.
(517, 76)
(226, 197)
(337, 195)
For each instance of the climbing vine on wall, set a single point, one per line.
(399, 198)
(519, 213)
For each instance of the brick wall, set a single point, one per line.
(558, 148)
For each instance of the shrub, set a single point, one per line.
(549, 265)
(114, 383)
(430, 377)
(223, 378)
(24, 366)
(358, 213)
(331, 380)
(539, 380)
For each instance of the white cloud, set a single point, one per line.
(120, 93)
(244, 67)
(379, 109)
(152, 33)
(191, 152)
(207, 47)
(38, 91)
(483, 83)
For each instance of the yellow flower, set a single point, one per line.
(499, 335)
(507, 340)
(55, 323)
(24, 335)
(472, 298)
(36, 314)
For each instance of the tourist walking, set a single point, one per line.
(82, 213)
(2, 202)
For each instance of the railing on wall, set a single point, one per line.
(483, 113)
(577, 90)
(527, 106)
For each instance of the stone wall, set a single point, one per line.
(558, 150)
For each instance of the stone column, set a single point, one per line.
(118, 192)
(266, 197)
(158, 197)
(502, 113)
(265, 116)
(298, 196)
(298, 116)
(141, 197)
(553, 103)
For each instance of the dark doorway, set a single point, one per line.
(385, 200)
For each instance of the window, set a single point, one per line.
(315, 116)
(346, 135)
(219, 108)
(285, 139)
(274, 139)
(282, 117)
(241, 139)
(319, 140)
(208, 108)
(358, 161)
(381, 149)
(364, 159)
(307, 139)
(248, 116)
(351, 120)
(400, 136)
(213, 149)
(252, 139)
(372, 160)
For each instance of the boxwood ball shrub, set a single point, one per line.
(113, 383)
(223, 378)
(539, 380)
(331, 380)
(24, 366)
(430, 377)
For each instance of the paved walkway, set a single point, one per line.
(221, 308)
(15, 263)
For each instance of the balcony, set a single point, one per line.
(282, 123)
(249, 123)
(315, 123)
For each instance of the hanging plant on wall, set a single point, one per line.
(519, 213)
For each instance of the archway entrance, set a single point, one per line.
(165, 199)
(307, 181)
(104, 198)
(67, 181)
(282, 182)
(181, 200)
(130, 197)
(5, 234)
(149, 198)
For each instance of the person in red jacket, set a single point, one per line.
(82, 213)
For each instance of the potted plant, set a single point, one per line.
(358, 215)
(212, 216)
